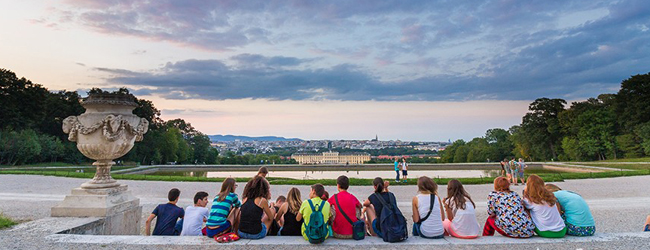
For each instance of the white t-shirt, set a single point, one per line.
(193, 220)
(464, 222)
(545, 217)
(404, 168)
(433, 225)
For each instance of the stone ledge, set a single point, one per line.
(372, 242)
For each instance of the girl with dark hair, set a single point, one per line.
(373, 206)
(287, 214)
(253, 225)
(224, 213)
(427, 210)
(506, 213)
(461, 219)
(543, 209)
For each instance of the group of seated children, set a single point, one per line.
(545, 210)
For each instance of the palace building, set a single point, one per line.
(331, 158)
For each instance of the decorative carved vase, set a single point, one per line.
(106, 131)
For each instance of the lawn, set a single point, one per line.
(621, 166)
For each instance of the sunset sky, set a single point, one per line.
(409, 70)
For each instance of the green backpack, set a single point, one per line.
(316, 231)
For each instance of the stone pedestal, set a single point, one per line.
(121, 210)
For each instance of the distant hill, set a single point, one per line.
(248, 138)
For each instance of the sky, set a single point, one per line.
(408, 70)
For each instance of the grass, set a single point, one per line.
(643, 159)
(548, 177)
(45, 164)
(621, 166)
(6, 222)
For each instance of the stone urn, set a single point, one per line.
(106, 131)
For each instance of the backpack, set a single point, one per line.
(316, 231)
(391, 221)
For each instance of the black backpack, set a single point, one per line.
(391, 221)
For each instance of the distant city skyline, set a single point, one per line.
(409, 70)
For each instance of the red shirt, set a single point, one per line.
(348, 203)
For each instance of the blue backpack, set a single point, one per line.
(316, 230)
(391, 221)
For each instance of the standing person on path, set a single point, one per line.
(252, 224)
(515, 170)
(397, 167)
(461, 217)
(195, 215)
(503, 169)
(575, 212)
(167, 214)
(344, 202)
(506, 166)
(506, 213)
(404, 170)
(647, 224)
(520, 169)
(427, 210)
(543, 209)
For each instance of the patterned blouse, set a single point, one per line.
(511, 217)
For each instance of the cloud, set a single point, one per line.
(388, 50)
(256, 60)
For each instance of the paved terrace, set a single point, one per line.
(619, 206)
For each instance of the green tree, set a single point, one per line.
(632, 102)
(541, 130)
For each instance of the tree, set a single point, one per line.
(541, 129)
(500, 143)
(632, 102)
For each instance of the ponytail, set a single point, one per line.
(379, 184)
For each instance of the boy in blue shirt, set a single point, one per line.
(167, 214)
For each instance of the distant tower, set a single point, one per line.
(376, 138)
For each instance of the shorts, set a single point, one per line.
(446, 224)
(521, 173)
(342, 236)
(405, 172)
(551, 234)
(417, 232)
(225, 228)
(257, 236)
(374, 228)
(647, 228)
(580, 231)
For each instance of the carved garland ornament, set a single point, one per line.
(113, 127)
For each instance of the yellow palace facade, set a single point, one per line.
(331, 158)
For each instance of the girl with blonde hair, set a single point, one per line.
(427, 210)
(286, 216)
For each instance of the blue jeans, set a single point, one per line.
(257, 236)
(418, 232)
(397, 177)
(219, 230)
